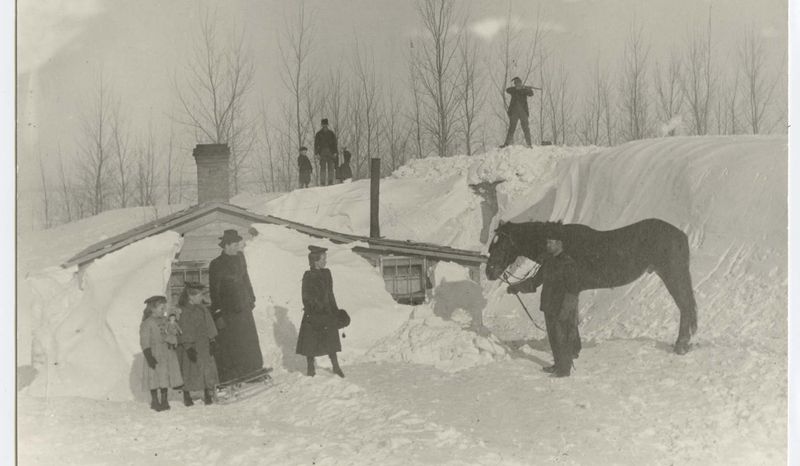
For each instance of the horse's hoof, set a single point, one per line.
(681, 348)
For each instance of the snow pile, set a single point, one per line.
(448, 333)
(523, 174)
(444, 344)
(727, 193)
(451, 213)
(87, 331)
(52, 247)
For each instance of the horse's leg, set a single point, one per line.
(678, 280)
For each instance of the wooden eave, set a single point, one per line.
(193, 217)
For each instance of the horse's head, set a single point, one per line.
(503, 251)
(513, 240)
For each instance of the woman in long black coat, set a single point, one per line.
(319, 332)
(232, 303)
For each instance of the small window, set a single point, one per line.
(405, 278)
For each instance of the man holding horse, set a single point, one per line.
(559, 302)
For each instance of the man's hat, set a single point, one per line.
(155, 299)
(324, 121)
(303, 148)
(313, 248)
(516, 78)
(228, 237)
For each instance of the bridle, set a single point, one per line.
(506, 273)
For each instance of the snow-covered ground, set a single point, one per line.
(466, 388)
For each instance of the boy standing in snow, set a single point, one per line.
(161, 369)
(304, 167)
(518, 111)
(559, 302)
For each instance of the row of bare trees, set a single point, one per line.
(451, 101)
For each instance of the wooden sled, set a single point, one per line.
(244, 387)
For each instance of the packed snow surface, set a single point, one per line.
(457, 380)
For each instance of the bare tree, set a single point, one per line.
(633, 86)
(415, 114)
(758, 86)
(214, 93)
(368, 90)
(396, 133)
(667, 82)
(120, 142)
(699, 78)
(295, 47)
(438, 67)
(95, 151)
(471, 97)
(66, 192)
(170, 165)
(146, 177)
(728, 105)
(557, 101)
(590, 126)
(45, 195)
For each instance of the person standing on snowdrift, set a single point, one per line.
(326, 151)
(161, 369)
(319, 332)
(232, 304)
(559, 302)
(518, 111)
(197, 343)
(304, 167)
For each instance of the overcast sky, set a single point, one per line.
(140, 46)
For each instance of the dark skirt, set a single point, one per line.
(238, 348)
(318, 336)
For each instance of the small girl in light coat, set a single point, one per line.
(161, 370)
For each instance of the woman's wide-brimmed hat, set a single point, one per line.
(228, 237)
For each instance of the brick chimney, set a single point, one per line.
(212, 172)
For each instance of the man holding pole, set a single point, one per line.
(518, 110)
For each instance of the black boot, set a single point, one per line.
(549, 369)
(207, 398)
(187, 398)
(312, 371)
(164, 401)
(154, 404)
(335, 363)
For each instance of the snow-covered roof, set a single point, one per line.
(192, 217)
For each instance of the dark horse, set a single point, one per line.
(607, 259)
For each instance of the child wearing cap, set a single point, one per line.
(161, 370)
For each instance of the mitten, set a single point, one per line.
(151, 360)
(212, 347)
(192, 353)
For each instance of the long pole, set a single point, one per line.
(374, 197)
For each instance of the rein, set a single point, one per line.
(525, 308)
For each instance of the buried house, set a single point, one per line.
(87, 341)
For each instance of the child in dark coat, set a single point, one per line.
(304, 167)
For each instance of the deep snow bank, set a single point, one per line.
(86, 334)
(727, 193)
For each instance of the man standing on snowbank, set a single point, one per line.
(232, 303)
(559, 302)
(518, 111)
(326, 151)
